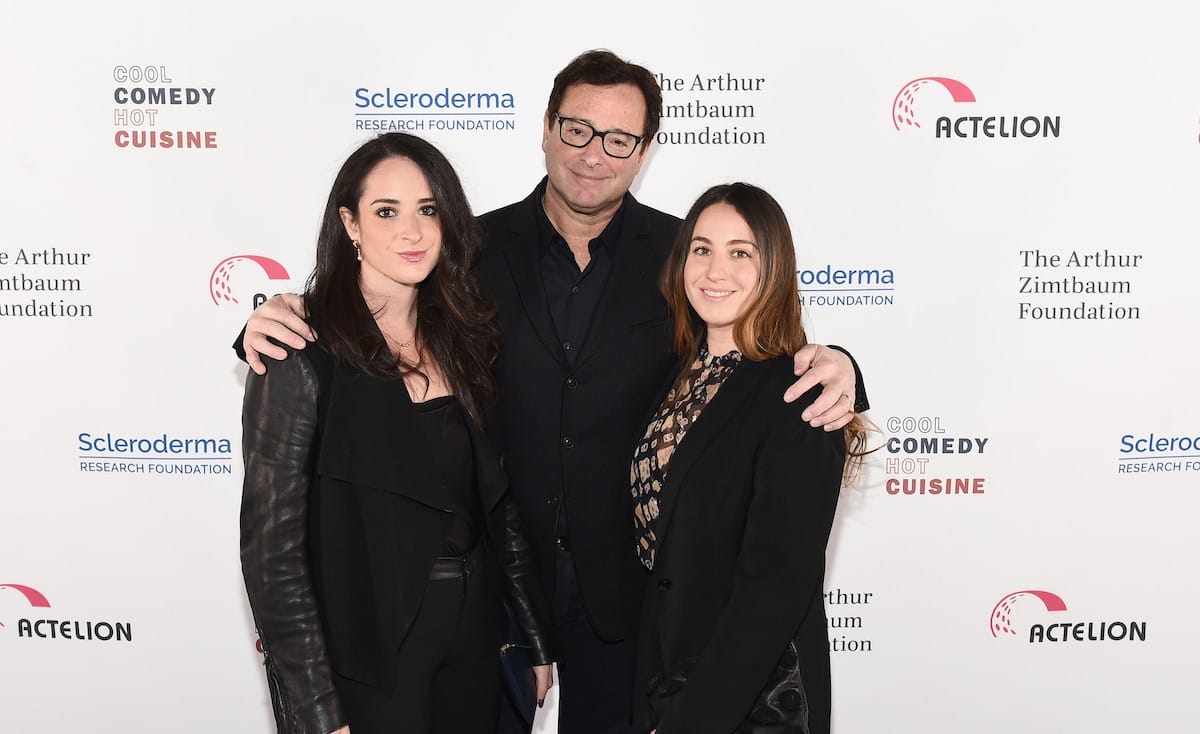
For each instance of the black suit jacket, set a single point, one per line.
(745, 514)
(342, 518)
(566, 430)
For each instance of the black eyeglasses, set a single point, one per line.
(577, 134)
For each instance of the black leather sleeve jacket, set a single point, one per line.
(281, 425)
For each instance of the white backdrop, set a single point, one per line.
(1076, 439)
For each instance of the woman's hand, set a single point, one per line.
(543, 675)
(344, 730)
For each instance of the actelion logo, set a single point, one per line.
(904, 105)
(220, 281)
(1001, 622)
(905, 117)
(32, 595)
(64, 629)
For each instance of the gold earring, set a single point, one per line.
(357, 250)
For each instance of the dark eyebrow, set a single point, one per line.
(426, 200)
(707, 241)
(593, 126)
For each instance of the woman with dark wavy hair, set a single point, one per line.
(734, 492)
(378, 537)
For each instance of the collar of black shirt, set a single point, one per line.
(550, 241)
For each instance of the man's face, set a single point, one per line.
(587, 180)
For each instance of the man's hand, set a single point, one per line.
(818, 365)
(281, 318)
(543, 675)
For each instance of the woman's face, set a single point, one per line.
(721, 273)
(396, 226)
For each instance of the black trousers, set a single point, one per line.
(595, 675)
(450, 669)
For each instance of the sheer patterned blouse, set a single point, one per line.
(651, 458)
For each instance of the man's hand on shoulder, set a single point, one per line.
(281, 319)
(818, 365)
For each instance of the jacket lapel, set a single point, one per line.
(372, 439)
(520, 250)
(489, 475)
(739, 387)
(630, 265)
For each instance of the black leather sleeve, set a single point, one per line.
(861, 404)
(279, 421)
(238, 348)
(525, 594)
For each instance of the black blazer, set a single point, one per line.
(567, 430)
(342, 519)
(745, 515)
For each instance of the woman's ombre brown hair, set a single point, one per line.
(771, 325)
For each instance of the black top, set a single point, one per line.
(442, 421)
(573, 294)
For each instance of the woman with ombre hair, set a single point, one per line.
(734, 494)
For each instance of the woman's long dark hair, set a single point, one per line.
(771, 325)
(455, 324)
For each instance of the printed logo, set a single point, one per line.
(32, 595)
(1053, 280)
(40, 276)
(220, 282)
(1152, 453)
(123, 453)
(905, 117)
(846, 613)
(1001, 623)
(921, 451)
(446, 109)
(835, 286)
(63, 629)
(712, 110)
(904, 105)
(149, 105)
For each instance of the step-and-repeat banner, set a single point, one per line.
(995, 208)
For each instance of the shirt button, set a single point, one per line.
(568, 442)
(575, 289)
(551, 500)
(664, 584)
(566, 346)
(572, 383)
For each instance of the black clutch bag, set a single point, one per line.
(517, 666)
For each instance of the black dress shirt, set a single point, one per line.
(573, 294)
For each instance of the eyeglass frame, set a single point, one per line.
(639, 139)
